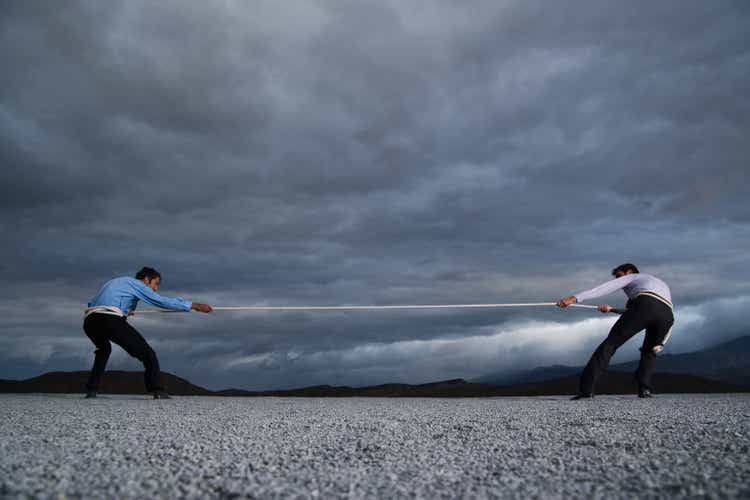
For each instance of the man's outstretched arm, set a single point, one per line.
(603, 289)
(143, 292)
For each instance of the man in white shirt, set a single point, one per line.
(649, 307)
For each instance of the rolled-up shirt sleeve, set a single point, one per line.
(145, 293)
(606, 288)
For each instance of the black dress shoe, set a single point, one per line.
(161, 395)
(582, 396)
(90, 394)
(644, 393)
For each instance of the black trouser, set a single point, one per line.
(643, 312)
(103, 328)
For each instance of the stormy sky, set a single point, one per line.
(342, 152)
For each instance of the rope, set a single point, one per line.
(373, 308)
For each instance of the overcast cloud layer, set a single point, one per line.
(369, 152)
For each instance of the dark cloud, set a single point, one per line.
(359, 152)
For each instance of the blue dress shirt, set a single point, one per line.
(125, 292)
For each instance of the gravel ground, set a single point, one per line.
(61, 446)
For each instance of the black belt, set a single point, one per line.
(657, 297)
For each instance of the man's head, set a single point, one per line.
(624, 269)
(150, 277)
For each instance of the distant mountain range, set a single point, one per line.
(727, 362)
(121, 382)
(722, 368)
(113, 382)
(611, 383)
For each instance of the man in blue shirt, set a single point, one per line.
(106, 321)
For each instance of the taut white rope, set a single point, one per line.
(374, 308)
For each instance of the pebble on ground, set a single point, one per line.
(62, 446)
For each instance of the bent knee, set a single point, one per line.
(651, 351)
(105, 350)
(148, 355)
(610, 345)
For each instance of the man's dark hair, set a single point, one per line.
(147, 272)
(625, 268)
